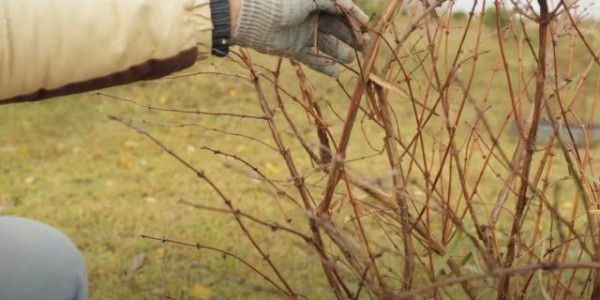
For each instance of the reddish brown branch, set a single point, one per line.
(503, 272)
(182, 111)
(199, 246)
(522, 198)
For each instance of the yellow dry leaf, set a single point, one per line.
(129, 144)
(232, 93)
(185, 132)
(384, 83)
(240, 149)
(190, 149)
(388, 85)
(199, 291)
(163, 99)
(159, 252)
(125, 163)
(273, 169)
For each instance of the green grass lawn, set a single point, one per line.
(63, 162)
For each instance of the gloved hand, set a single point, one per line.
(288, 28)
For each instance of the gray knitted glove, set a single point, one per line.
(288, 27)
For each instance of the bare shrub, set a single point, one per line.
(428, 171)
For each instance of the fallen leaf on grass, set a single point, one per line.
(185, 132)
(240, 149)
(59, 149)
(137, 262)
(273, 169)
(125, 163)
(163, 99)
(130, 144)
(232, 92)
(159, 252)
(151, 199)
(200, 291)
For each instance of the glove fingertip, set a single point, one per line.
(346, 56)
(332, 70)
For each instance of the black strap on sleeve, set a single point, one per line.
(221, 19)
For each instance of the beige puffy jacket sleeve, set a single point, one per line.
(56, 47)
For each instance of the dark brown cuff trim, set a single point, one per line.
(152, 69)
